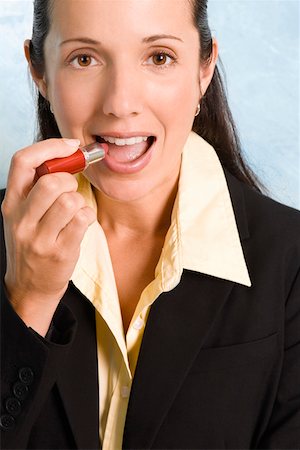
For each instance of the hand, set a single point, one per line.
(44, 224)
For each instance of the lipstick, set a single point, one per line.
(75, 163)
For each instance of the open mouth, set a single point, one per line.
(127, 155)
(126, 150)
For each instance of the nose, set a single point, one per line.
(123, 96)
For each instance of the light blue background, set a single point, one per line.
(259, 46)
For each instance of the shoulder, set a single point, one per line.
(263, 205)
(270, 238)
(263, 214)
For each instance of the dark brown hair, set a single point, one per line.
(214, 123)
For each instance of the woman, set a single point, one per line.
(154, 301)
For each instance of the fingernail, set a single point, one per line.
(72, 142)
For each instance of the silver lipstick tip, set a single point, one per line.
(93, 152)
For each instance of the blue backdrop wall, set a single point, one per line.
(259, 47)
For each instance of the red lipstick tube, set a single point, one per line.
(75, 163)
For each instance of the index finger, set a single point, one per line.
(24, 163)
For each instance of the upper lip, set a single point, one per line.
(121, 135)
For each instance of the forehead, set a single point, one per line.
(121, 18)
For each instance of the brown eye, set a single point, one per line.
(160, 59)
(84, 60)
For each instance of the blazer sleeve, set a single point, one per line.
(283, 431)
(29, 368)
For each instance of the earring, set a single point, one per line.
(51, 108)
(198, 109)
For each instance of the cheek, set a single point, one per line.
(177, 106)
(179, 93)
(72, 101)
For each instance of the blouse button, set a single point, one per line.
(138, 324)
(125, 391)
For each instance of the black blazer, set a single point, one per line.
(219, 364)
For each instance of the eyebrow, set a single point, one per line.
(84, 40)
(156, 37)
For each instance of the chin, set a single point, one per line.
(126, 191)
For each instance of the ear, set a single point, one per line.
(38, 78)
(207, 70)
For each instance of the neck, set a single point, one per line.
(143, 217)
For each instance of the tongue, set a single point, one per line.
(127, 153)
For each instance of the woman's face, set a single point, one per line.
(126, 69)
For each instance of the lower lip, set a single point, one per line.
(130, 166)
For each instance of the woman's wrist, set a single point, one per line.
(35, 309)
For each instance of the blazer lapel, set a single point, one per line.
(177, 326)
(78, 380)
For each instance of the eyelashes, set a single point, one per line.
(160, 59)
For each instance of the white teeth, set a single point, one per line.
(129, 141)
